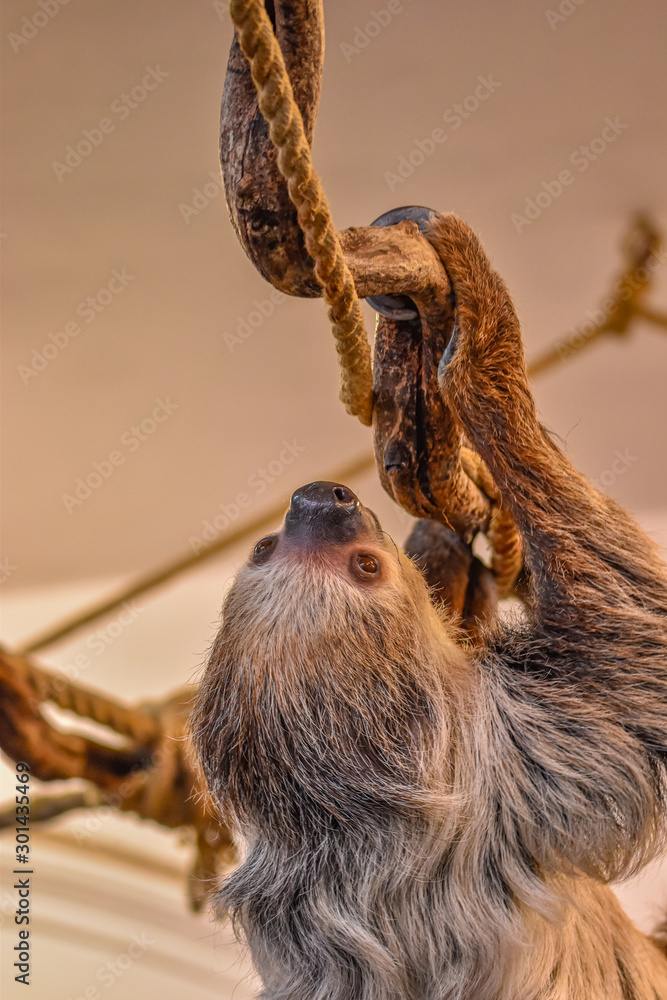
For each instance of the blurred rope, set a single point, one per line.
(641, 247)
(46, 807)
(152, 774)
(45, 686)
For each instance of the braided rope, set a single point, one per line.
(476, 469)
(136, 724)
(502, 532)
(507, 559)
(276, 102)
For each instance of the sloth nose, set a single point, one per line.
(322, 495)
(324, 511)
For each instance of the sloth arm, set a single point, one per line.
(577, 697)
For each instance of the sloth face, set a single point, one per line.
(330, 570)
(332, 661)
(327, 526)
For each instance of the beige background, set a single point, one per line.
(163, 335)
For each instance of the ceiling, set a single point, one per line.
(169, 284)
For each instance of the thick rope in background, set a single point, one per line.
(276, 102)
(136, 724)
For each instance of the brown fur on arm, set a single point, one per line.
(581, 692)
(572, 533)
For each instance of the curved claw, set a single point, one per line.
(448, 353)
(400, 307)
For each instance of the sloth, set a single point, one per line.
(420, 817)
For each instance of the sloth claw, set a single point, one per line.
(448, 353)
(400, 307)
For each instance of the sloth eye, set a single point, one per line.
(263, 549)
(365, 567)
(367, 564)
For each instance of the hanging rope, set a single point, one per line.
(276, 102)
(502, 533)
(507, 551)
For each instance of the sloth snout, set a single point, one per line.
(324, 512)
